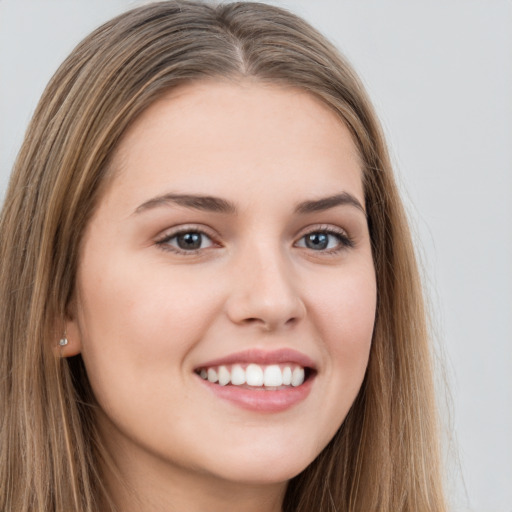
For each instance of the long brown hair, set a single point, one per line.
(385, 456)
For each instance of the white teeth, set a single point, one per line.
(212, 375)
(254, 375)
(297, 376)
(224, 376)
(272, 376)
(237, 375)
(287, 376)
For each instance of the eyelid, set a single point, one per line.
(170, 233)
(346, 241)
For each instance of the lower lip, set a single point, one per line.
(261, 400)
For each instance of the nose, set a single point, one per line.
(264, 292)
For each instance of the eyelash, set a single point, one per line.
(164, 242)
(344, 241)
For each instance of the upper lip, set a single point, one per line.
(263, 357)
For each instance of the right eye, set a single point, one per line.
(189, 241)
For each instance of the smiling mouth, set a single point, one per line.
(255, 376)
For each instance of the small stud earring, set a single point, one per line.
(63, 341)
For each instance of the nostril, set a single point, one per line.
(270, 323)
(253, 320)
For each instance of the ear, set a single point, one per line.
(70, 342)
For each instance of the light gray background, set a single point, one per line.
(440, 75)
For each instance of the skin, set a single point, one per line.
(146, 316)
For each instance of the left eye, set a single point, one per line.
(322, 240)
(188, 241)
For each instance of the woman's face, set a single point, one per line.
(231, 244)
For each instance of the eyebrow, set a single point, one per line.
(196, 202)
(329, 202)
(219, 205)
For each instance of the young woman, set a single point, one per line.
(209, 298)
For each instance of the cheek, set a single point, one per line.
(137, 316)
(345, 307)
(344, 312)
(137, 328)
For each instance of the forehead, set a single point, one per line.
(220, 136)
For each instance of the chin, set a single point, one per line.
(263, 468)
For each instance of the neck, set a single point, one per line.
(204, 495)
